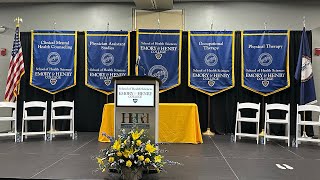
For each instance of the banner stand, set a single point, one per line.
(208, 132)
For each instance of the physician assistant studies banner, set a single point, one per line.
(265, 61)
(107, 56)
(211, 61)
(159, 55)
(53, 60)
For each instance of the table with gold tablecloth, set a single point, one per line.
(178, 123)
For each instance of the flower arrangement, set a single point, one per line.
(133, 152)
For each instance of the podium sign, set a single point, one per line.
(136, 105)
(135, 95)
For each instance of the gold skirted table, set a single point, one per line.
(178, 123)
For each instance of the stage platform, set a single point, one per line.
(216, 159)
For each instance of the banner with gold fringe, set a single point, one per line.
(265, 61)
(159, 55)
(107, 56)
(53, 60)
(211, 61)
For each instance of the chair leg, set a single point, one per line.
(45, 129)
(239, 128)
(22, 130)
(287, 134)
(297, 130)
(15, 131)
(257, 133)
(265, 133)
(235, 132)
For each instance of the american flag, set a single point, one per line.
(16, 69)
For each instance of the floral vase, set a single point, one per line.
(131, 174)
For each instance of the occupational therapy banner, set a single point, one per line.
(211, 61)
(107, 56)
(159, 55)
(265, 61)
(53, 60)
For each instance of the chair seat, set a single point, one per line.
(62, 117)
(248, 119)
(277, 121)
(35, 118)
(311, 123)
(7, 119)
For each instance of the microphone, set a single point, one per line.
(139, 66)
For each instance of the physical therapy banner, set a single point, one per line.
(265, 61)
(53, 60)
(107, 56)
(211, 61)
(159, 55)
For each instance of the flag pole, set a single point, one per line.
(304, 134)
(208, 132)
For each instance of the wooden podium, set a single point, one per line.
(136, 104)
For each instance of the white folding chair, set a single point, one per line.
(240, 119)
(300, 123)
(55, 117)
(268, 121)
(12, 106)
(26, 118)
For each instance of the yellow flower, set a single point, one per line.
(150, 148)
(138, 143)
(111, 159)
(117, 145)
(141, 158)
(136, 135)
(157, 158)
(147, 160)
(119, 154)
(128, 163)
(128, 152)
(100, 161)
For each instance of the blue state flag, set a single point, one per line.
(304, 72)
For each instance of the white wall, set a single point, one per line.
(198, 16)
(250, 15)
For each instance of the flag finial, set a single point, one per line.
(304, 21)
(17, 21)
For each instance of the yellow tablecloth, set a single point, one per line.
(178, 123)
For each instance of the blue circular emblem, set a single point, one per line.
(159, 72)
(107, 59)
(265, 59)
(211, 59)
(53, 58)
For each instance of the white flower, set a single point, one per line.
(121, 161)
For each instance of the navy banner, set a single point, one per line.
(53, 60)
(211, 61)
(159, 55)
(107, 56)
(265, 61)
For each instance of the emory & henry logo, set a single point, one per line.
(265, 59)
(159, 72)
(211, 59)
(53, 58)
(107, 59)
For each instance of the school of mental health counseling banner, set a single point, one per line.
(265, 61)
(211, 61)
(159, 55)
(53, 60)
(107, 56)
